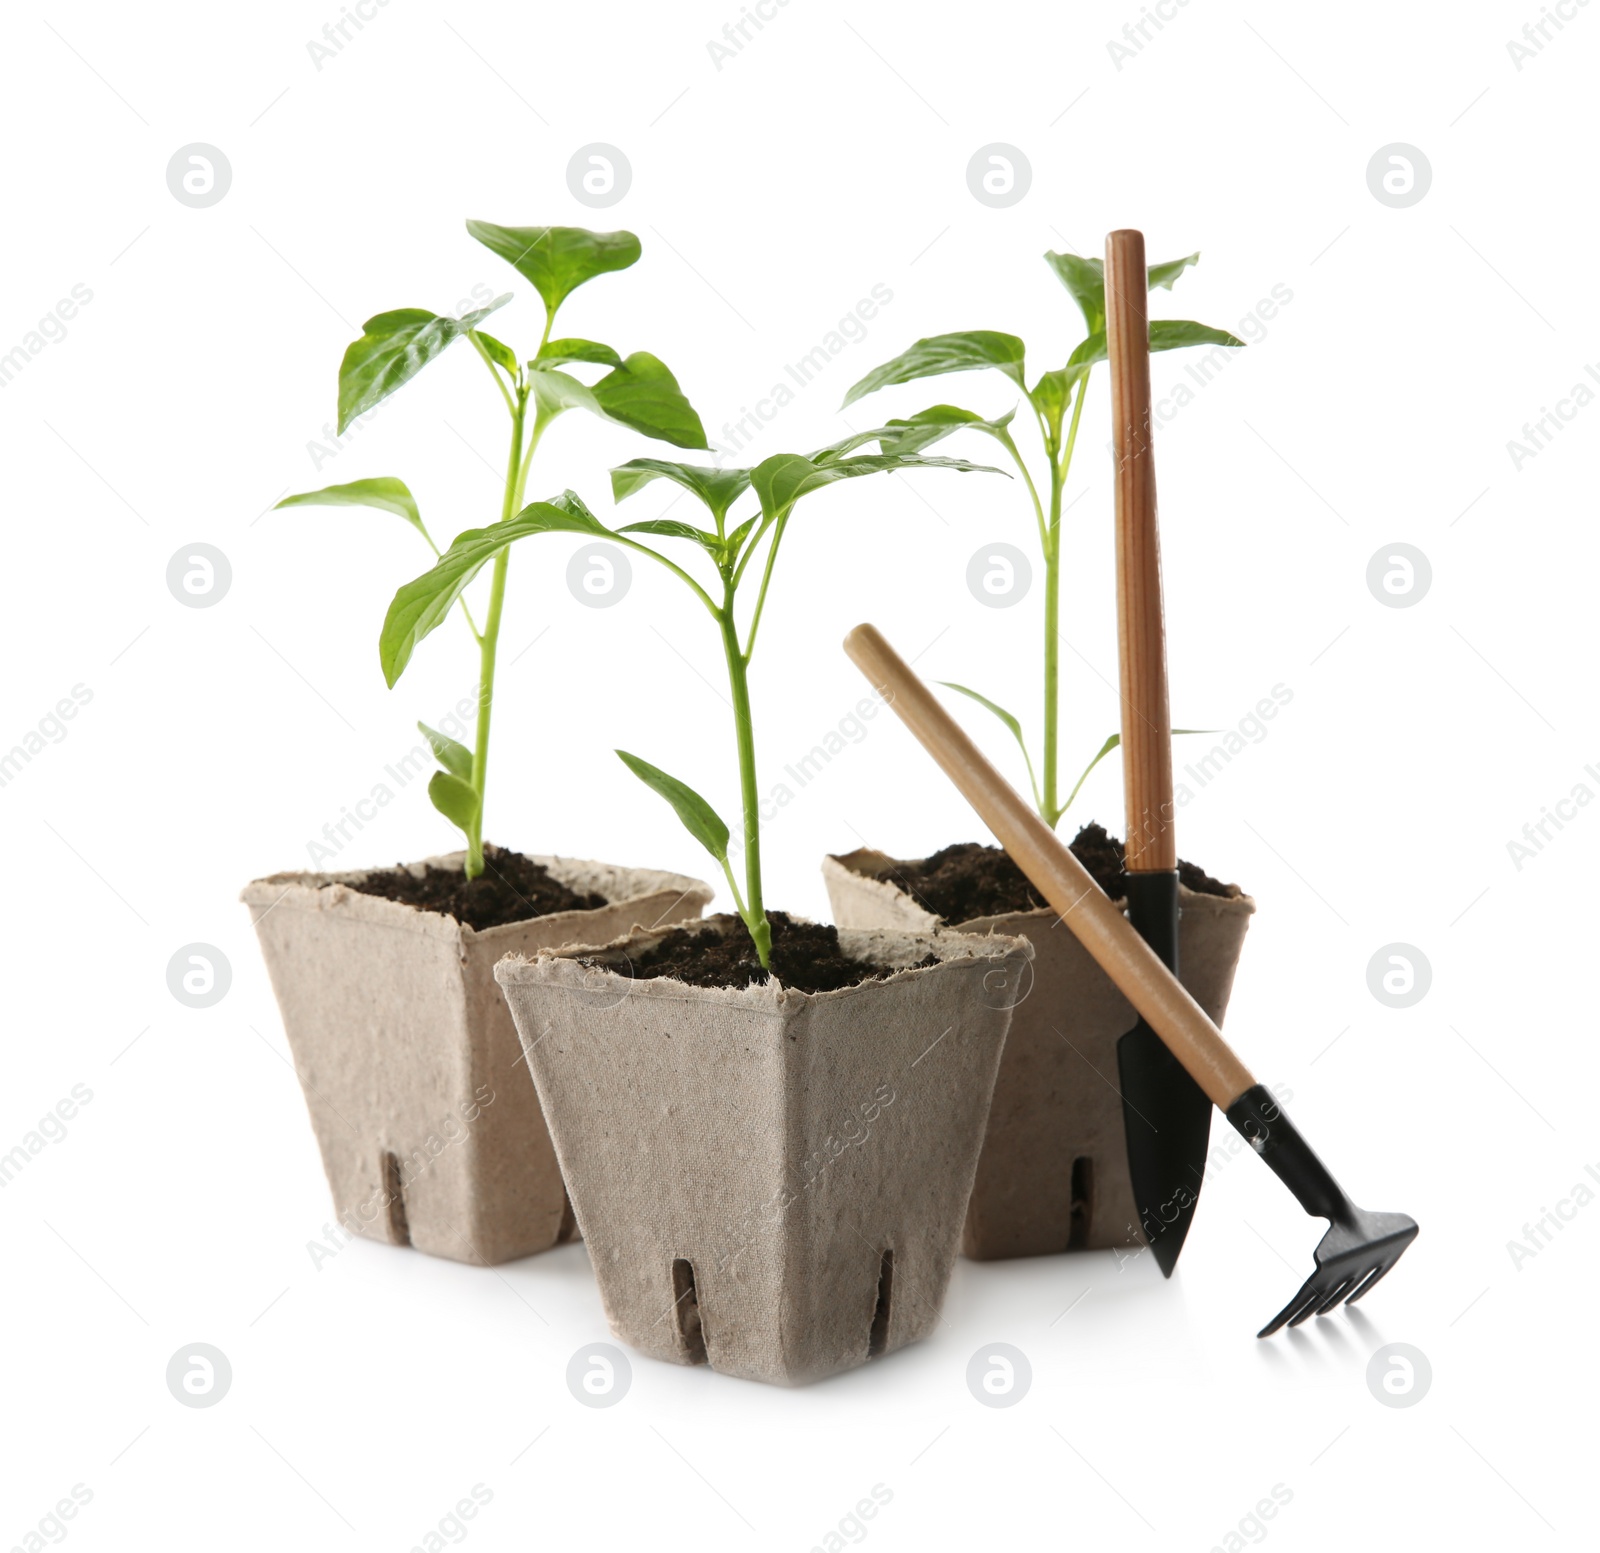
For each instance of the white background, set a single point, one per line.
(829, 155)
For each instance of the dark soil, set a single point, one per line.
(805, 956)
(971, 880)
(511, 888)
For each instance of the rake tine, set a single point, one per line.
(1306, 1292)
(1375, 1275)
(1308, 1310)
(1340, 1290)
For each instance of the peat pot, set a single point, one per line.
(769, 1181)
(430, 1135)
(1053, 1175)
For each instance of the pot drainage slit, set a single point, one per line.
(686, 1302)
(1082, 1202)
(878, 1336)
(394, 1192)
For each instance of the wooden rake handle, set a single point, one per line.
(1102, 929)
(1141, 630)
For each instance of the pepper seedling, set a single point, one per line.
(636, 391)
(734, 549)
(1049, 399)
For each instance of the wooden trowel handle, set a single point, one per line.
(1146, 720)
(1153, 990)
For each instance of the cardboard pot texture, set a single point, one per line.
(770, 1181)
(430, 1134)
(1053, 1175)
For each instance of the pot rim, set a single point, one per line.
(559, 966)
(850, 863)
(307, 889)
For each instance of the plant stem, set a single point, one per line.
(753, 910)
(516, 478)
(1051, 809)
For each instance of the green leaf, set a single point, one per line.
(385, 493)
(1170, 334)
(737, 537)
(454, 757)
(1086, 280)
(393, 348)
(1052, 393)
(1166, 334)
(780, 481)
(1010, 722)
(578, 350)
(557, 259)
(573, 505)
(1164, 274)
(937, 422)
(719, 489)
(499, 353)
(555, 392)
(671, 528)
(1105, 749)
(641, 394)
(456, 800)
(699, 818)
(419, 606)
(965, 352)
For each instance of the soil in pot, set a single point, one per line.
(970, 880)
(511, 888)
(806, 956)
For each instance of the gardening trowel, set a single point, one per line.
(1165, 1115)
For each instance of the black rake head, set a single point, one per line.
(1355, 1253)
(1359, 1248)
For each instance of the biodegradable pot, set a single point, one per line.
(1053, 1175)
(408, 1057)
(771, 1182)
